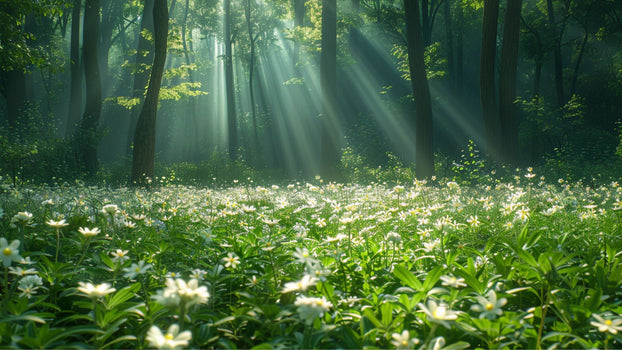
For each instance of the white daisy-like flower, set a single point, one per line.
(9, 252)
(171, 340)
(302, 285)
(95, 291)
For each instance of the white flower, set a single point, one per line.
(97, 291)
(394, 237)
(110, 209)
(22, 217)
(136, 269)
(29, 285)
(9, 252)
(404, 341)
(177, 291)
(57, 224)
(438, 313)
(451, 281)
(120, 256)
(231, 260)
(489, 306)
(302, 285)
(611, 325)
(19, 271)
(171, 340)
(310, 308)
(89, 232)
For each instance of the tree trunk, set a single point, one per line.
(507, 81)
(299, 15)
(75, 97)
(144, 58)
(231, 114)
(490, 112)
(14, 86)
(575, 75)
(424, 147)
(449, 37)
(331, 132)
(193, 125)
(88, 138)
(460, 47)
(426, 28)
(144, 147)
(251, 75)
(557, 55)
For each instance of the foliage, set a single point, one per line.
(521, 264)
(436, 65)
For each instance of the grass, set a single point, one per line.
(522, 264)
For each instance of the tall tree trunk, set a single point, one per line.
(507, 81)
(487, 78)
(75, 97)
(192, 126)
(88, 138)
(424, 147)
(231, 113)
(144, 147)
(460, 47)
(449, 37)
(557, 55)
(575, 75)
(144, 59)
(426, 27)
(331, 130)
(251, 75)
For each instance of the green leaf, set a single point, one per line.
(407, 277)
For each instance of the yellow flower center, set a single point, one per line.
(439, 312)
(169, 336)
(137, 270)
(489, 306)
(608, 322)
(7, 251)
(404, 342)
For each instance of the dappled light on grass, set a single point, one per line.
(521, 264)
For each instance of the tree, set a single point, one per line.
(144, 58)
(144, 140)
(424, 156)
(75, 97)
(557, 53)
(331, 130)
(87, 133)
(507, 81)
(490, 112)
(232, 126)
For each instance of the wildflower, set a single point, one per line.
(29, 285)
(522, 214)
(177, 291)
(403, 340)
(303, 256)
(171, 340)
(309, 308)
(302, 285)
(394, 237)
(21, 272)
(9, 252)
(136, 269)
(399, 189)
(451, 281)
(473, 221)
(97, 291)
(321, 222)
(57, 224)
(22, 217)
(198, 274)
(430, 246)
(110, 209)
(490, 306)
(120, 256)
(89, 232)
(438, 313)
(611, 325)
(231, 260)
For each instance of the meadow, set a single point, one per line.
(526, 263)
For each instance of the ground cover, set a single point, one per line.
(520, 264)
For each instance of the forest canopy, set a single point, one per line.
(294, 88)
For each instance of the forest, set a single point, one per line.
(120, 91)
(311, 174)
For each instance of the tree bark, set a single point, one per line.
(557, 55)
(426, 28)
(449, 37)
(251, 75)
(88, 138)
(490, 112)
(144, 58)
(75, 97)
(507, 81)
(231, 113)
(328, 80)
(424, 147)
(144, 147)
